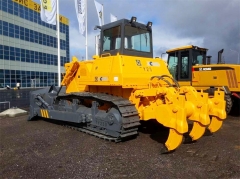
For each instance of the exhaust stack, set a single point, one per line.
(209, 60)
(220, 57)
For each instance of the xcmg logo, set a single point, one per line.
(23, 2)
(205, 69)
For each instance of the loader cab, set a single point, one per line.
(181, 60)
(126, 37)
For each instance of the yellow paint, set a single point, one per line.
(185, 47)
(215, 125)
(132, 78)
(47, 5)
(41, 112)
(217, 78)
(44, 113)
(37, 7)
(197, 131)
(174, 140)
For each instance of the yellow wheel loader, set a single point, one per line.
(109, 95)
(191, 66)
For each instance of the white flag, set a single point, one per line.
(80, 6)
(99, 8)
(48, 11)
(113, 18)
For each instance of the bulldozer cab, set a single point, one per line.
(181, 60)
(126, 37)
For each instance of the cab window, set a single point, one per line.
(112, 38)
(198, 57)
(172, 64)
(184, 70)
(137, 39)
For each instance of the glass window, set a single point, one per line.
(12, 53)
(16, 12)
(184, 73)
(6, 48)
(17, 50)
(6, 56)
(198, 57)
(11, 26)
(18, 54)
(112, 38)
(23, 51)
(17, 58)
(5, 25)
(27, 32)
(7, 72)
(22, 37)
(11, 34)
(173, 64)
(12, 49)
(10, 11)
(1, 73)
(16, 35)
(12, 57)
(22, 15)
(4, 7)
(137, 39)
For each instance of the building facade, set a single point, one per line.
(28, 46)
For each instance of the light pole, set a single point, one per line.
(237, 53)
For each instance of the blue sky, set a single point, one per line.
(213, 24)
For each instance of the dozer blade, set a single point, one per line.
(173, 141)
(215, 125)
(197, 131)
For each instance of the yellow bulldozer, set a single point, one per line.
(109, 95)
(191, 66)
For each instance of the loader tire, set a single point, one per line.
(229, 103)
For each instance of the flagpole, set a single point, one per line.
(86, 33)
(58, 37)
(102, 16)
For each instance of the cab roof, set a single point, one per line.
(186, 47)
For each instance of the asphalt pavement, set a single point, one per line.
(43, 149)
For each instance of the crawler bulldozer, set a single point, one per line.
(191, 66)
(109, 95)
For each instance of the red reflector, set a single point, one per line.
(192, 69)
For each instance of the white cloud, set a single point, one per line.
(78, 43)
(210, 24)
(163, 40)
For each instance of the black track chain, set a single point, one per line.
(128, 111)
(96, 134)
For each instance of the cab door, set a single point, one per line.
(184, 68)
(173, 64)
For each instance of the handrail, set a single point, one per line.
(6, 102)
